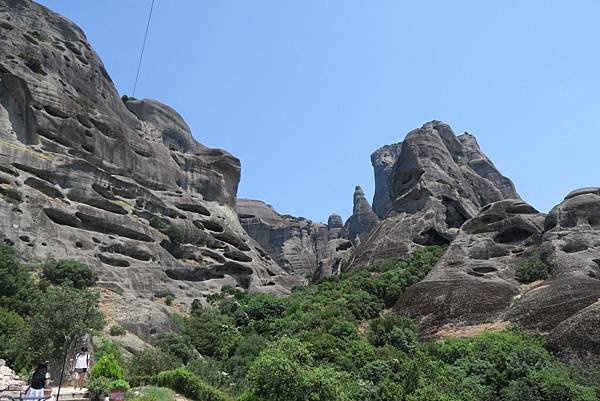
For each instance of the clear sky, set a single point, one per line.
(302, 91)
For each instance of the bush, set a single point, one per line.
(12, 195)
(532, 269)
(108, 367)
(394, 330)
(180, 346)
(169, 299)
(159, 223)
(99, 387)
(116, 330)
(149, 363)
(175, 233)
(190, 385)
(119, 384)
(69, 272)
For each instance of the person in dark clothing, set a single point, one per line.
(39, 380)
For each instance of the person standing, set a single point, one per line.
(82, 364)
(39, 380)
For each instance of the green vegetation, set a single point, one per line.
(336, 340)
(293, 218)
(175, 233)
(11, 195)
(531, 269)
(39, 316)
(169, 299)
(159, 223)
(69, 272)
(84, 103)
(41, 36)
(116, 330)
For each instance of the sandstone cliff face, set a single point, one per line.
(383, 160)
(295, 244)
(82, 175)
(437, 183)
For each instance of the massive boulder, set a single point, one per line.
(120, 185)
(295, 243)
(383, 160)
(438, 182)
(474, 282)
(363, 217)
(567, 305)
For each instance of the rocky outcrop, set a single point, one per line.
(438, 182)
(474, 282)
(363, 218)
(120, 185)
(296, 244)
(10, 383)
(383, 160)
(566, 305)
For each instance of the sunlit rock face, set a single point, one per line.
(83, 173)
(438, 182)
(383, 160)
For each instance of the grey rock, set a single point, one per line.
(363, 217)
(438, 182)
(474, 282)
(383, 160)
(83, 173)
(296, 244)
(564, 304)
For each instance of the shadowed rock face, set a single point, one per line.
(296, 244)
(82, 174)
(363, 218)
(438, 182)
(474, 282)
(383, 160)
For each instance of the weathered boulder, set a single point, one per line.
(296, 244)
(438, 182)
(383, 160)
(86, 175)
(474, 282)
(363, 217)
(566, 305)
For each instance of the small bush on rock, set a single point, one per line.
(116, 330)
(69, 272)
(532, 269)
(190, 385)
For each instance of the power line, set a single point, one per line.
(137, 75)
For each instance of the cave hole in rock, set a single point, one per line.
(512, 235)
(78, 244)
(475, 274)
(9, 242)
(484, 269)
(344, 246)
(24, 238)
(456, 214)
(575, 246)
(113, 261)
(431, 236)
(194, 208)
(213, 226)
(594, 275)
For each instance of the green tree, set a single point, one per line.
(69, 272)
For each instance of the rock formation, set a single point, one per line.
(474, 282)
(437, 183)
(296, 244)
(383, 160)
(363, 217)
(120, 185)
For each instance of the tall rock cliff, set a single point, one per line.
(439, 181)
(383, 160)
(121, 186)
(296, 244)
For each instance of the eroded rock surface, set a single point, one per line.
(474, 282)
(295, 243)
(438, 182)
(363, 217)
(383, 160)
(83, 174)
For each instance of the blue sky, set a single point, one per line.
(303, 91)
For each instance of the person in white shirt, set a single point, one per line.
(82, 364)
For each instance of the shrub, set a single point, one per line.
(179, 346)
(117, 384)
(69, 272)
(159, 223)
(395, 330)
(149, 363)
(175, 233)
(107, 366)
(190, 385)
(11, 195)
(531, 269)
(98, 387)
(116, 330)
(169, 299)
